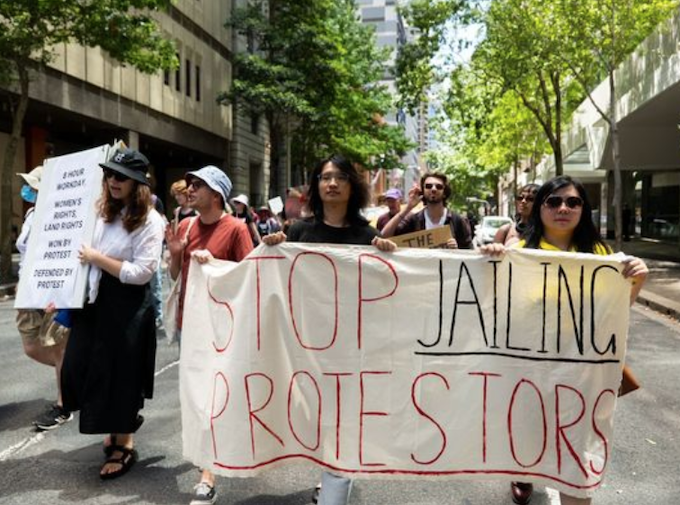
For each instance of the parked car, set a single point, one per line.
(487, 228)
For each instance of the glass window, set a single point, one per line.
(198, 83)
(187, 80)
(178, 73)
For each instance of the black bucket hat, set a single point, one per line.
(129, 162)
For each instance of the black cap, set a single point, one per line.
(129, 162)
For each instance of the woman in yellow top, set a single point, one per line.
(561, 220)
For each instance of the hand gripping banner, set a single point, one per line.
(415, 364)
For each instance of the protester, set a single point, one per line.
(561, 220)
(110, 356)
(242, 213)
(179, 191)
(510, 233)
(44, 339)
(157, 279)
(433, 191)
(267, 223)
(392, 198)
(213, 234)
(336, 196)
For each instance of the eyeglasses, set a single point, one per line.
(108, 174)
(525, 198)
(196, 184)
(555, 202)
(430, 185)
(340, 177)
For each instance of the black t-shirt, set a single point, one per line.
(320, 233)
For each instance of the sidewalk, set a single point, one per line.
(661, 291)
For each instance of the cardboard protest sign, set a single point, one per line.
(425, 239)
(419, 363)
(64, 218)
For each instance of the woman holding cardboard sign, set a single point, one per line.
(109, 363)
(561, 220)
(336, 198)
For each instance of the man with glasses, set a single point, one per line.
(434, 190)
(212, 234)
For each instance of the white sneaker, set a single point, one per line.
(204, 494)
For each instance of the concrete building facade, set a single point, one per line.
(648, 108)
(392, 32)
(84, 99)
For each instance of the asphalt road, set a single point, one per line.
(62, 466)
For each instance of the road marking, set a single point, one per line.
(17, 448)
(166, 367)
(40, 436)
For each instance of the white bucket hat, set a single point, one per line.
(240, 199)
(33, 177)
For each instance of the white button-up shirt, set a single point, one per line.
(140, 251)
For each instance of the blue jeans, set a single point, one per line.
(335, 490)
(157, 293)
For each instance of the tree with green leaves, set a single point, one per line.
(491, 133)
(29, 33)
(428, 19)
(521, 53)
(598, 35)
(488, 132)
(313, 73)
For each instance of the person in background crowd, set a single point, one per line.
(392, 198)
(267, 223)
(434, 190)
(212, 234)
(472, 219)
(626, 215)
(157, 279)
(242, 212)
(508, 234)
(561, 220)
(336, 196)
(110, 357)
(44, 339)
(179, 191)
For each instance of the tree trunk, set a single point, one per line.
(616, 155)
(7, 175)
(559, 162)
(276, 170)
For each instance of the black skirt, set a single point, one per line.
(110, 357)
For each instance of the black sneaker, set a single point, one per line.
(54, 417)
(204, 494)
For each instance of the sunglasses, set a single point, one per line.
(430, 185)
(525, 198)
(555, 202)
(338, 176)
(196, 184)
(108, 174)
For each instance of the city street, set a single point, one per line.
(62, 466)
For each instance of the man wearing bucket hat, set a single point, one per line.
(392, 198)
(212, 234)
(44, 340)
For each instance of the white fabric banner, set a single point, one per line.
(420, 363)
(65, 215)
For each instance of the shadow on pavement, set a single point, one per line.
(16, 416)
(73, 476)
